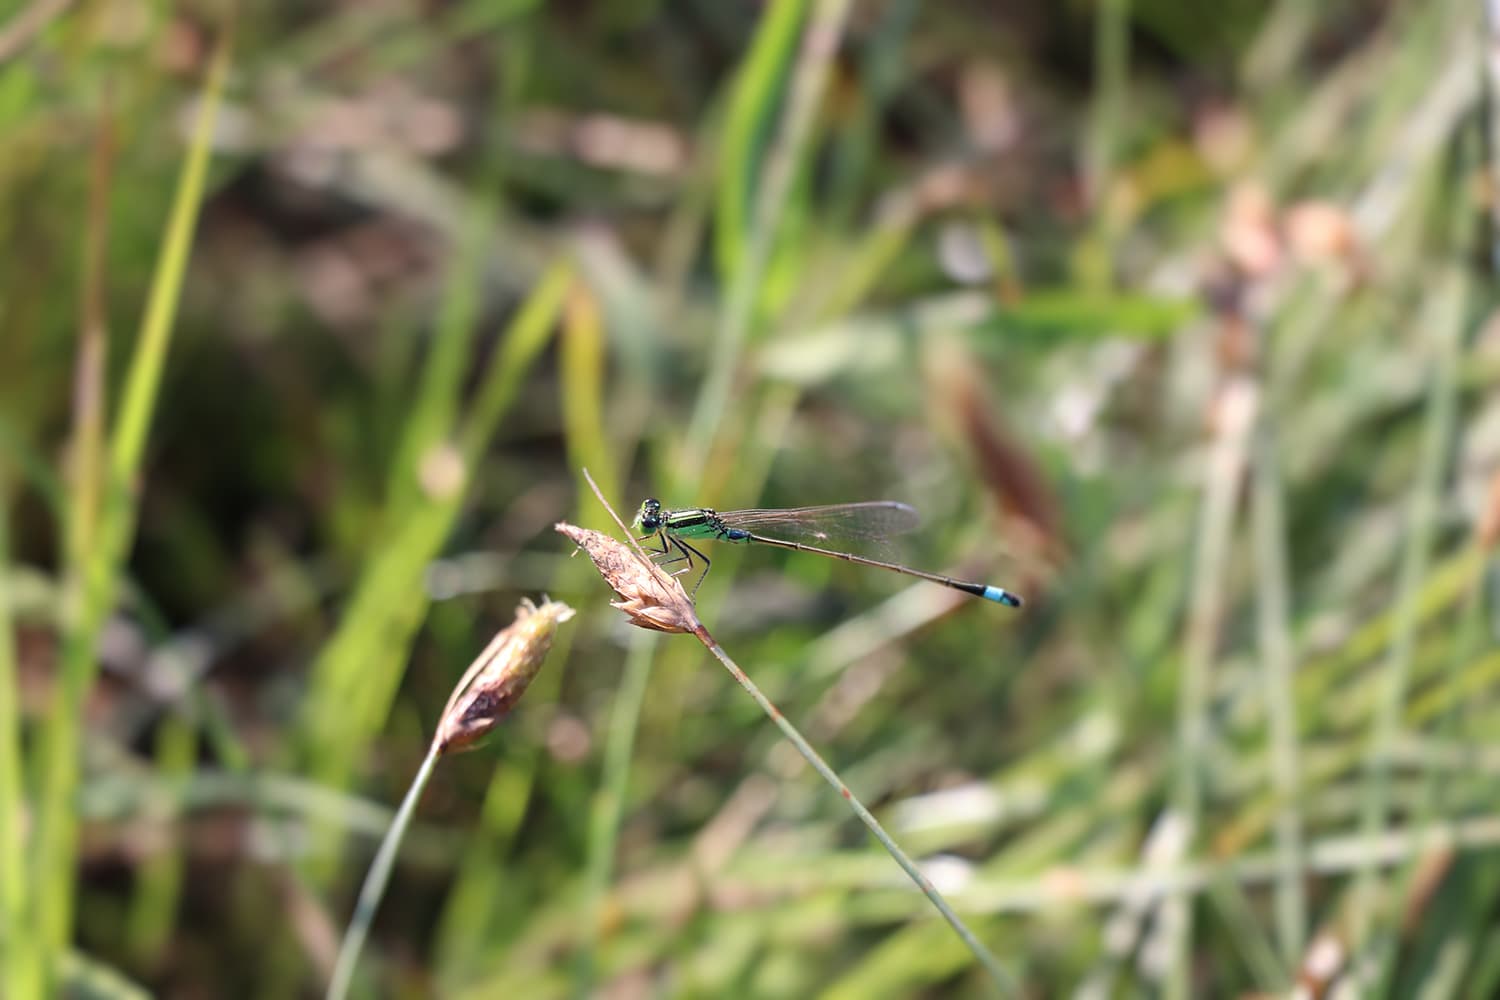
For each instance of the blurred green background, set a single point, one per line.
(1174, 318)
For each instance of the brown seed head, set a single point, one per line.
(651, 599)
(499, 676)
(1489, 517)
(1248, 231)
(1321, 231)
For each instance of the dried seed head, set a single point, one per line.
(499, 676)
(650, 598)
(1321, 232)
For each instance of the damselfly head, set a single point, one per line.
(648, 518)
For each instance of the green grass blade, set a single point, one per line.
(758, 89)
(355, 676)
(609, 801)
(1446, 320)
(1211, 552)
(21, 974)
(1000, 977)
(97, 581)
(86, 978)
(159, 880)
(527, 334)
(783, 163)
(583, 362)
(1278, 656)
(434, 412)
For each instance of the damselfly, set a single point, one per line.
(802, 529)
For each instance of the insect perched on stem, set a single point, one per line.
(801, 529)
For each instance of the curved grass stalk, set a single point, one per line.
(483, 697)
(376, 879)
(655, 600)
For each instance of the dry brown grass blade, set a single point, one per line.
(1010, 473)
(1488, 531)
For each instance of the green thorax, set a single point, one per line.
(701, 523)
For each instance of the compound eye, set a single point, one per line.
(649, 516)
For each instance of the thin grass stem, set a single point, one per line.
(376, 880)
(609, 803)
(22, 975)
(1491, 16)
(997, 972)
(1211, 551)
(1328, 856)
(1278, 658)
(98, 580)
(1111, 88)
(1445, 318)
(820, 43)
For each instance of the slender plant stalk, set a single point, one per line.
(582, 363)
(1330, 856)
(680, 611)
(357, 672)
(820, 42)
(582, 351)
(376, 879)
(1492, 120)
(1247, 932)
(1096, 263)
(754, 98)
(489, 689)
(159, 878)
(880, 69)
(1445, 318)
(86, 449)
(1111, 84)
(1278, 658)
(1211, 550)
(98, 579)
(22, 974)
(1002, 978)
(434, 408)
(1441, 789)
(1280, 41)
(609, 804)
(30, 21)
(1441, 792)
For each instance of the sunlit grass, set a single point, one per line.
(1175, 322)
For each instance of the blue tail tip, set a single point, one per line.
(1001, 596)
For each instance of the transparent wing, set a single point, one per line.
(872, 521)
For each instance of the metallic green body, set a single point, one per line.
(701, 523)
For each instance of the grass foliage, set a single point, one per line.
(1179, 324)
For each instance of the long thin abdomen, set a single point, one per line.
(990, 593)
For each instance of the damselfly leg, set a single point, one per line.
(684, 553)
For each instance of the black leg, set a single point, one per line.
(685, 553)
(679, 557)
(682, 555)
(688, 551)
(665, 550)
